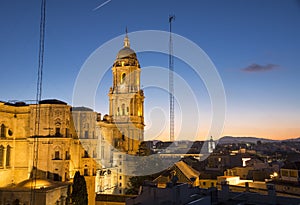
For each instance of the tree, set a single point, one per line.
(79, 191)
(146, 163)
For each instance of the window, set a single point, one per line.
(102, 152)
(204, 183)
(86, 134)
(86, 172)
(67, 132)
(3, 134)
(1, 155)
(123, 77)
(56, 177)
(56, 155)
(67, 155)
(8, 156)
(212, 184)
(120, 177)
(86, 154)
(284, 173)
(57, 131)
(123, 136)
(123, 109)
(120, 184)
(293, 173)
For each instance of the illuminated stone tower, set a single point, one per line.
(124, 126)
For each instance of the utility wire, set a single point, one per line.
(38, 99)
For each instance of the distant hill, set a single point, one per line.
(230, 139)
(292, 140)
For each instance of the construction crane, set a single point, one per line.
(171, 79)
(38, 99)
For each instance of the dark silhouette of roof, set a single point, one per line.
(292, 165)
(53, 101)
(17, 104)
(81, 109)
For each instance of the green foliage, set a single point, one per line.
(135, 183)
(79, 191)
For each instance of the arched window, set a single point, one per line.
(1, 155)
(2, 132)
(8, 149)
(123, 77)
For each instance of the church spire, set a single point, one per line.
(126, 40)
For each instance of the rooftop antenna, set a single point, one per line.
(171, 79)
(38, 99)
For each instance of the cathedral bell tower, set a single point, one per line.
(126, 101)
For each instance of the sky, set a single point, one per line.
(254, 45)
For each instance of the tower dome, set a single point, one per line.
(126, 56)
(126, 52)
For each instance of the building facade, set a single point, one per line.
(59, 151)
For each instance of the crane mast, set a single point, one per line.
(171, 79)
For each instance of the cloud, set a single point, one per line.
(259, 68)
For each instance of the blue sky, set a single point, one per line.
(254, 45)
